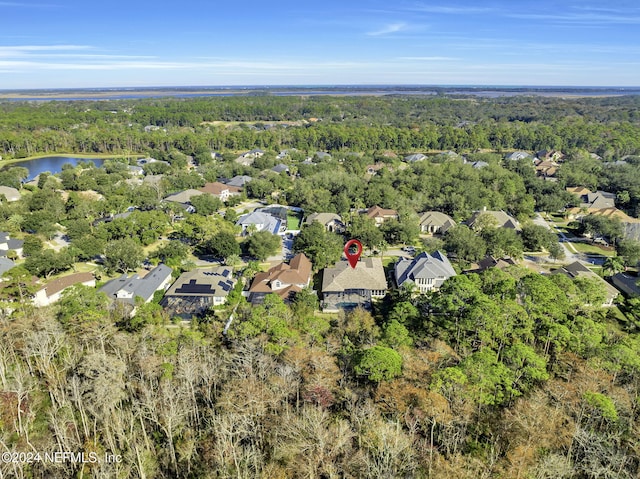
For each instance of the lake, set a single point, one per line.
(52, 164)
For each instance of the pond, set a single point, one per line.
(52, 164)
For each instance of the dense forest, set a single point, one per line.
(501, 373)
(606, 126)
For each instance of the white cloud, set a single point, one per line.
(389, 29)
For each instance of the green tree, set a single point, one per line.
(464, 243)
(206, 204)
(222, 245)
(322, 247)
(536, 237)
(629, 250)
(123, 255)
(262, 244)
(365, 230)
(379, 363)
(613, 265)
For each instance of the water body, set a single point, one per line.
(52, 164)
(341, 90)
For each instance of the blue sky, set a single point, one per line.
(71, 44)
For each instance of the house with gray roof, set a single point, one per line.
(344, 287)
(578, 269)
(280, 168)
(322, 155)
(626, 283)
(518, 155)
(8, 244)
(197, 291)
(414, 157)
(426, 271)
(239, 181)
(125, 289)
(502, 219)
(261, 222)
(435, 222)
(5, 265)
(11, 194)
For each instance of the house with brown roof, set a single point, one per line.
(220, 190)
(344, 287)
(380, 215)
(52, 291)
(283, 279)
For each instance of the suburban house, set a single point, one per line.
(260, 222)
(344, 287)
(220, 190)
(426, 271)
(577, 269)
(136, 170)
(546, 168)
(283, 279)
(414, 157)
(518, 155)
(597, 200)
(196, 291)
(491, 262)
(52, 291)
(5, 265)
(322, 155)
(10, 194)
(435, 222)
(280, 168)
(380, 215)
(183, 199)
(125, 289)
(331, 221)
(554, 155)
(239, 181)
(626, 283)
(7, 244)
(502, 219)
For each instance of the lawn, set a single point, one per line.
(293, 220)
(593, 249)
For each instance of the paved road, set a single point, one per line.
(570, 256)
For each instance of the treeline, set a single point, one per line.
(609, 129)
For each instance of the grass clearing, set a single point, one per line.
(593, 249)
(294, 220)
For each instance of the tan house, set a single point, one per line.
(330, 221)
(380, 215)
(577, 269)
(283, 279)
(435, 222)
(344, 287)
(502, 219)
(220, 190)
(52, 291)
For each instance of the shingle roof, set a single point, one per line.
(377, 212)
(436, 218)
(323, 218)
(216, 188)
(424, 266)
(11, 194)
(368, 274)
(297, 272)
(502, 218)
(239, 181)
(203, 282)
(64, 282)
(136, 286)
(183, 196)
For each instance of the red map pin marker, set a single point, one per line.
(353, 257)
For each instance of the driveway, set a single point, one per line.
(570, 255)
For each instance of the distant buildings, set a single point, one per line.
(344, 287)
(220, 190)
